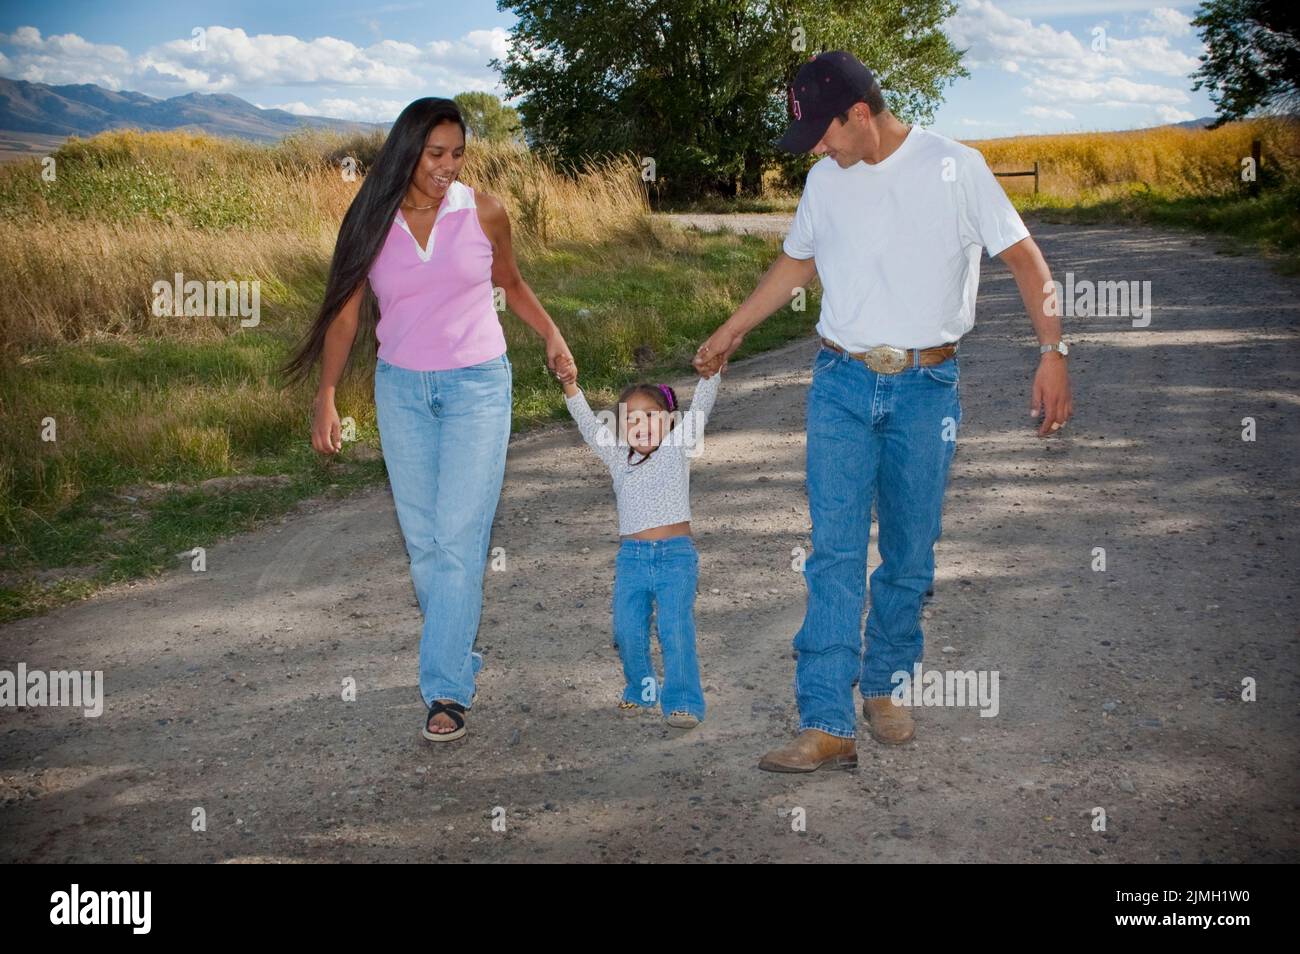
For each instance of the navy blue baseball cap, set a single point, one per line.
(824, 87)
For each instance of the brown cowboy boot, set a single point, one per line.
(888, 723)
(810, 751)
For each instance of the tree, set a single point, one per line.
(487, 118)
(1252, 61)
(699, 85)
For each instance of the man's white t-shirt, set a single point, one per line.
(898, 243)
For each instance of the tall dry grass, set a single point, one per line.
(80, 254)
(1172, 160)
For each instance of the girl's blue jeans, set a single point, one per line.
(658, 574)
(887, 438)
(444, 436)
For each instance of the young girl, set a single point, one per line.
(657, 564)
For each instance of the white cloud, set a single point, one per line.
(1073, 8)
(1169, 114)
(1167, 20)
(364, 108)
(1092, 69)
(1150, 53)
(993, 36)
(65, 58)
(231, 60)
(298, 108)
(1047, 112)
(1117, 89)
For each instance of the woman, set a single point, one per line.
(431, 249)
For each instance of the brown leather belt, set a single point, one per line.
(886, 359)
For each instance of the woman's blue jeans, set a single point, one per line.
(444, 436)
(888, 438)
(661, 574)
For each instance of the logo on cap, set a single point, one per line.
(794, 105)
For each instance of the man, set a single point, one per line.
(893, 219)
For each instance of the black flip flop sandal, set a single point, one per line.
(457, 713)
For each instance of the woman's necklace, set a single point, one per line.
(418, 208)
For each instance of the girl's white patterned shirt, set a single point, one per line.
(655, 492)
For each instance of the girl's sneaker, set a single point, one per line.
(682, 720)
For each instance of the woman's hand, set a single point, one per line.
(326, 428)
(567, 372)
(712, 356)
(558, 356)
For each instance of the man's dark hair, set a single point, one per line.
(874, 99)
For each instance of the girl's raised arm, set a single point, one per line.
(693, 421)
(594, 431)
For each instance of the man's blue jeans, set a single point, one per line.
(444, 436)
(663, 574)
(887, 437)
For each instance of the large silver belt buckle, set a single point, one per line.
(886, 359)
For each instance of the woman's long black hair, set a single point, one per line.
(366, 224)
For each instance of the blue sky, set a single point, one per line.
(1036, 65)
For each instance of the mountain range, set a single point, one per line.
(39, 110)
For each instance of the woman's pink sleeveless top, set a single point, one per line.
(435, 304)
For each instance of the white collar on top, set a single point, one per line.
(459, 196)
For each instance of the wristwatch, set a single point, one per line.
(1060, 346)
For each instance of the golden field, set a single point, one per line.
(1172, 160)
(79, 255)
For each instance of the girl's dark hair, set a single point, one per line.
(665, 402)
(366, 223)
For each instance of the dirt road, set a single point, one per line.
(1119, 690)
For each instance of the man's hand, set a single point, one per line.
(1051, 394)
(712, 356)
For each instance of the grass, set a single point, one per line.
(79, 254)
